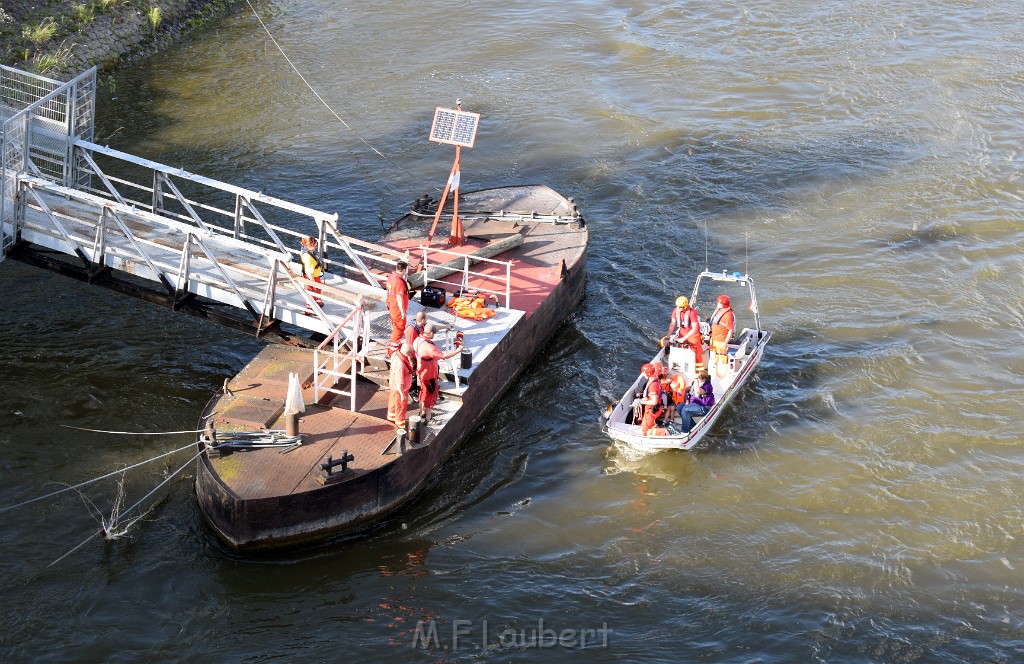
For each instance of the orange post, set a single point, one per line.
(440, 204)
(456, 237)
(453, 177)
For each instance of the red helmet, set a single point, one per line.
(723, 300)
(647, 369)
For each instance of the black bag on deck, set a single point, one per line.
(432, 297)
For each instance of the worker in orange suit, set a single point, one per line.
(399, 382)
(653, 405)
(427, 371)
(686, 324)
(398, 302)
(414, 329)
(412, 333)
(723, 326)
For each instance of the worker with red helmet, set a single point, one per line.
(653, 406)
(686, 324)
(723, 326)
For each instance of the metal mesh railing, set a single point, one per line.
(12, 153)
(41, 119)
(20, 89)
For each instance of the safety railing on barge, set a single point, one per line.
(347, 346)
(459, 263)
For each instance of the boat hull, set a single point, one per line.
(690, 440)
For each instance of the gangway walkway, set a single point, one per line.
(189, 242)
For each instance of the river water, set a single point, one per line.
(860, 502)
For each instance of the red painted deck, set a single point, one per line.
(536, 268)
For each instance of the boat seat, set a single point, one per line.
(737, 353)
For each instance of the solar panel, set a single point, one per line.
(454, 127)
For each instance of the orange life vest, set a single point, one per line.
(471, 307)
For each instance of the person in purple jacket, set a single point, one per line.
(700, 401)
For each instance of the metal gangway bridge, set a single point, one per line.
(158, 232)
(171, 237)
(192, 243)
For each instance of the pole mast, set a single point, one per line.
(454, 127)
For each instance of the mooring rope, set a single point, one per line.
(95, 479)
(76, 547)
(322, 99)
(106, 529)
(311, 89)
(169, 478)
(133, 433)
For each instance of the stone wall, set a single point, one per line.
(111, 33)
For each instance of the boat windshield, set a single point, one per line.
(737, 287)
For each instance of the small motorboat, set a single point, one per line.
(728, 373)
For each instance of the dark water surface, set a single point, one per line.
(861, 502)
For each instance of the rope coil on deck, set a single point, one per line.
(250, 440)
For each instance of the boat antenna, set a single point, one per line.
(746, 247)
(705, 245)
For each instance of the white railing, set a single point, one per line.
(329, 366)
(227, 210)
(310, 303)
(362, 255)
(469, 279)
(184, 259)
(219, 208)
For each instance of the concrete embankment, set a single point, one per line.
(60, 38)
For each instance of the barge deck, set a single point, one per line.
(272, 497)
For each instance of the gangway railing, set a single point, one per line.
(105, 235)
(360, 253)
(243, 214)
(41, 117)
(238, 215)
(329, 366)
(314, 297)
(470, 279)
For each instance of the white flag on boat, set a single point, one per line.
(453, 179)
(753, 307)
(293, 403)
